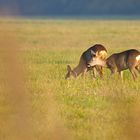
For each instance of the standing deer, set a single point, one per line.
(117, 62)
(97, 50)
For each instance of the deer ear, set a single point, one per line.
(69, 68)
(93, 53)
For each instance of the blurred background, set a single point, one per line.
(36, 103)
(72, 7)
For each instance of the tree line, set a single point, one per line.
(74, 7)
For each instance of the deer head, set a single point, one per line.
(70, 73)
(98, 58)
(96, 61)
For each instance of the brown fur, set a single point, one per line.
(118, 62)
(102, 54)
(82, 67)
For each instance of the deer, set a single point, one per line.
(97, 50)
(118, 62)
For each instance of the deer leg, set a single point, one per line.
(138, 69)
(113, 71)
(132, 70)
(84, 72)
(121, 74)
(94, 72)
(100, 70)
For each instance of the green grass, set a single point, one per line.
(82, 109)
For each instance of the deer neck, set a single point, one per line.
(78, 70)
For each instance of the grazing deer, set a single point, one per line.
(117, 62)
(97, 50)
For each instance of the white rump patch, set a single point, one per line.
(138, 58)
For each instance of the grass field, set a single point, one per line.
(47, 107)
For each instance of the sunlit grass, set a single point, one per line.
(80, 109)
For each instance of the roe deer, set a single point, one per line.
(97, 50)
(117, 62)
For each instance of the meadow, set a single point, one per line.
(46, 106)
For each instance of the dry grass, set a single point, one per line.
(35, 100)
